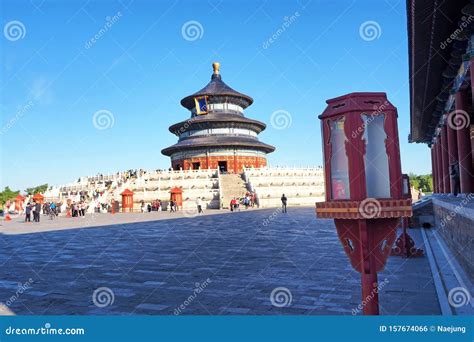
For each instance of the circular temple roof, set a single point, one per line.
(217, 142)
(204, 121)
(217, 87)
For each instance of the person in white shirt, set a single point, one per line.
(199, 205)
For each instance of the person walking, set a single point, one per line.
(199, 205)
(172, 209)
(284, 201)
(38, 211)
(28, 213)
(52, 207)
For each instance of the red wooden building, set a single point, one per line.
(441, 57)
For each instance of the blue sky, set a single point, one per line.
(53, 81)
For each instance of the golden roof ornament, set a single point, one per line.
(216, 66)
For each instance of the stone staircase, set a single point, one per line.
(231, 185)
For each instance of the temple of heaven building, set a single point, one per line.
(217, 135)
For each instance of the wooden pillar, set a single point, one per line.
(466, 175)
(445, 160)
(439, 170)
(433, 168)
(452, 146)
(471, 71)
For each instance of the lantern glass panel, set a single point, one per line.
(377, 176)
(405, 187)
(339, 161)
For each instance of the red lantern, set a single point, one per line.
(363, 182)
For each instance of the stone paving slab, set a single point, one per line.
(220, 264)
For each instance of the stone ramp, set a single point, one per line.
(441, 220)
(453, 286)
(231, 185)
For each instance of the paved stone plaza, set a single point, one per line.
(235, 259)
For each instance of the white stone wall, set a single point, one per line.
(302, 186)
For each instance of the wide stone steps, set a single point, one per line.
(231, 185)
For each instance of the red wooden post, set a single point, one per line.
(363, 183)
(452, 151)
(445, 160)
(433, 168)
(461, 123)
(440, 166)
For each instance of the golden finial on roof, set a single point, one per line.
(216, 66)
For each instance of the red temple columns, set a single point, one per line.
(445, 160)
(452, 149)
(433, 168)
(461, 122)
(439, 163)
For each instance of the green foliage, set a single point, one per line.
(39, 189)
(7, 194)
(423, 182)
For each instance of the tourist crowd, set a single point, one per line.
(250, 200)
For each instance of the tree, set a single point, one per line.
(423, 182)
(7, 194)
(39, 189)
